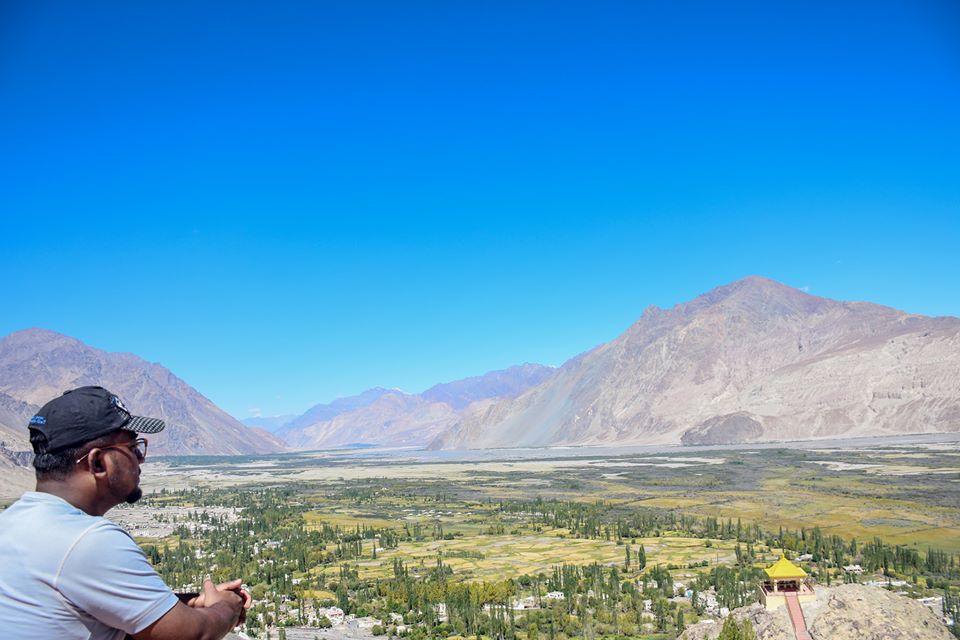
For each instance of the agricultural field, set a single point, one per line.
(907, 493)
(511, 556)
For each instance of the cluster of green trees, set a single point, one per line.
(829, 553)
(596, 601)
(600, 520)
(734, 586)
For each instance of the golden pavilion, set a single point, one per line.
(785, 579)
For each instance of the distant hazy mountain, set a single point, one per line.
(507, 383)
(269, 423)
(37, 365)
(753, 360)
(393, 419)
(323, 412)
(390, 417)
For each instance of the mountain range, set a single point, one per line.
(37, 365)
(392, 417)
(750, 361)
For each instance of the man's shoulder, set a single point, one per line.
(102, 528)
(46, 518)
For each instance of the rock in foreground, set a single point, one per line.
(846, 612)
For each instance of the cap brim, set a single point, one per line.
(140, 424)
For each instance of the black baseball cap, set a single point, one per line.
(84, 414)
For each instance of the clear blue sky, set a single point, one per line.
(287, 202)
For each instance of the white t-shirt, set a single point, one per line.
(68, 575)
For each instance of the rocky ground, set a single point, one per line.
(846, 612)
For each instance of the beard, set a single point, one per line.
(134, 496)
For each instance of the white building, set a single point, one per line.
(333, 614)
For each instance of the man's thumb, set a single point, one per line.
(209, 590)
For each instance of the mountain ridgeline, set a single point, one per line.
(751, 361)
(37, 365)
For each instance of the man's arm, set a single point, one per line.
(219, 614)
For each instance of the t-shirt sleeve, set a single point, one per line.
(108, 576)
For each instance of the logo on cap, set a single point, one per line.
(38, 420)
(118, 403)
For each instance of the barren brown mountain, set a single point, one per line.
(37, 365)
(14, 415)
(750, 361)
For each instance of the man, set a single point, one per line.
(66, 571)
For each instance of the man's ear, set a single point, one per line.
(95, 460)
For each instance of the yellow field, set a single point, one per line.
(344, 520)
(781, 502)
(509, 556)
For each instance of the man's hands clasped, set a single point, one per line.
(231, 592)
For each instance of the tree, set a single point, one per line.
(661, 613)
(734, 631)
(730, 631)
(698, 603)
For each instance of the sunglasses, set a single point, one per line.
(138, 447)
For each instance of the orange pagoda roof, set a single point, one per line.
(783, 569)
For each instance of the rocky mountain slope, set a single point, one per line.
(846, 612)
(16, 474)
(36, 365)
(14, 416)
(390, 417)
(753, 360)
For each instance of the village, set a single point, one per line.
(484, 568)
